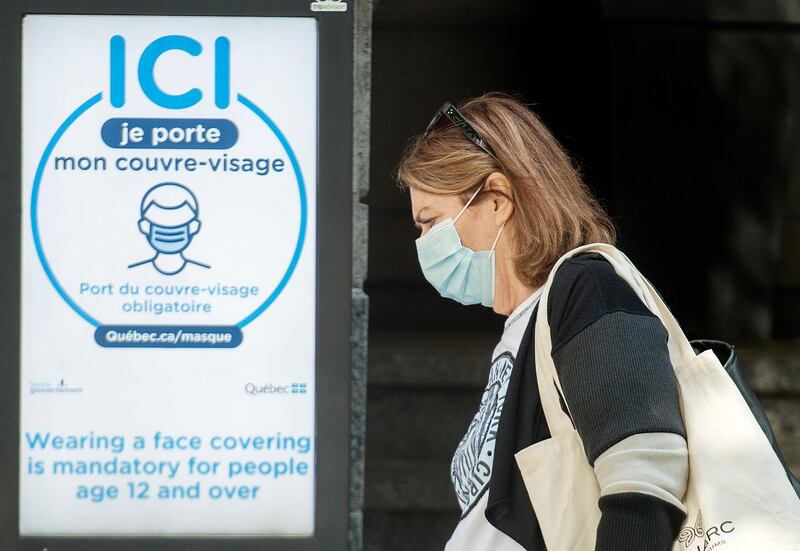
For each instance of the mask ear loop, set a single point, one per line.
(468, 202)
(496, 239)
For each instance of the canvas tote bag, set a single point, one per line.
(738, 495)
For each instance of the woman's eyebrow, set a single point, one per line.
(418, 216)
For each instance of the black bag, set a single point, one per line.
(730, 361)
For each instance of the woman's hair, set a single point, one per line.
(554, 210)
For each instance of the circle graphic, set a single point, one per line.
(254, 109)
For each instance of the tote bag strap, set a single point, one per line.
(680, 350)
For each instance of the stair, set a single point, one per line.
(423, 391)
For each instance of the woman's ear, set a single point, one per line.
(502, 205)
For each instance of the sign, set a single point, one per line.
(168, 276)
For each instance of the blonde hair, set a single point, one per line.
(554, 210)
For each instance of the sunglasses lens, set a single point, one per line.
(436, 118)
(432, 124)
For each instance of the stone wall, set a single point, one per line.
(362, 65)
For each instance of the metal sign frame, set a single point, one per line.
(333, 270)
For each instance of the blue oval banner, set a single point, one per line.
(126, 133)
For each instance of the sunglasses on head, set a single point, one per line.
(449, 111)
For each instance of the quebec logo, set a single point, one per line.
(708, 539)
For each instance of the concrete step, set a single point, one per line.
(460, 359)
(772, 367)
(408, 530)
(417, 424)
(396, 485)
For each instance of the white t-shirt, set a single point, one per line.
(471, 467)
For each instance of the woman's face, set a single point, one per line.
(476, 227)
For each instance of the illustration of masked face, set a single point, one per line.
(169, 221)
(169, 230)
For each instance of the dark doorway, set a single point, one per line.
(684, 122)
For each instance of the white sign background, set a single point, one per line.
(87, 223)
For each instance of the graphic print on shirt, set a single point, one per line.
(471, 467)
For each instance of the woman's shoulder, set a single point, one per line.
(591, 274)
(585, 288)
(583, 264)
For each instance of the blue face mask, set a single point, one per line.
(169, 240)
(454, 270)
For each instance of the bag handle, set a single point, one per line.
(680, 350)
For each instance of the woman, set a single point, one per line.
(497, 202)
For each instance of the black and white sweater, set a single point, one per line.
(611, 355)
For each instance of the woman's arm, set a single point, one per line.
(642, 480)
(612, 359)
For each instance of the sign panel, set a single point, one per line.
(168, 275)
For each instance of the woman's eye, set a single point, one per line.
(426, 224)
